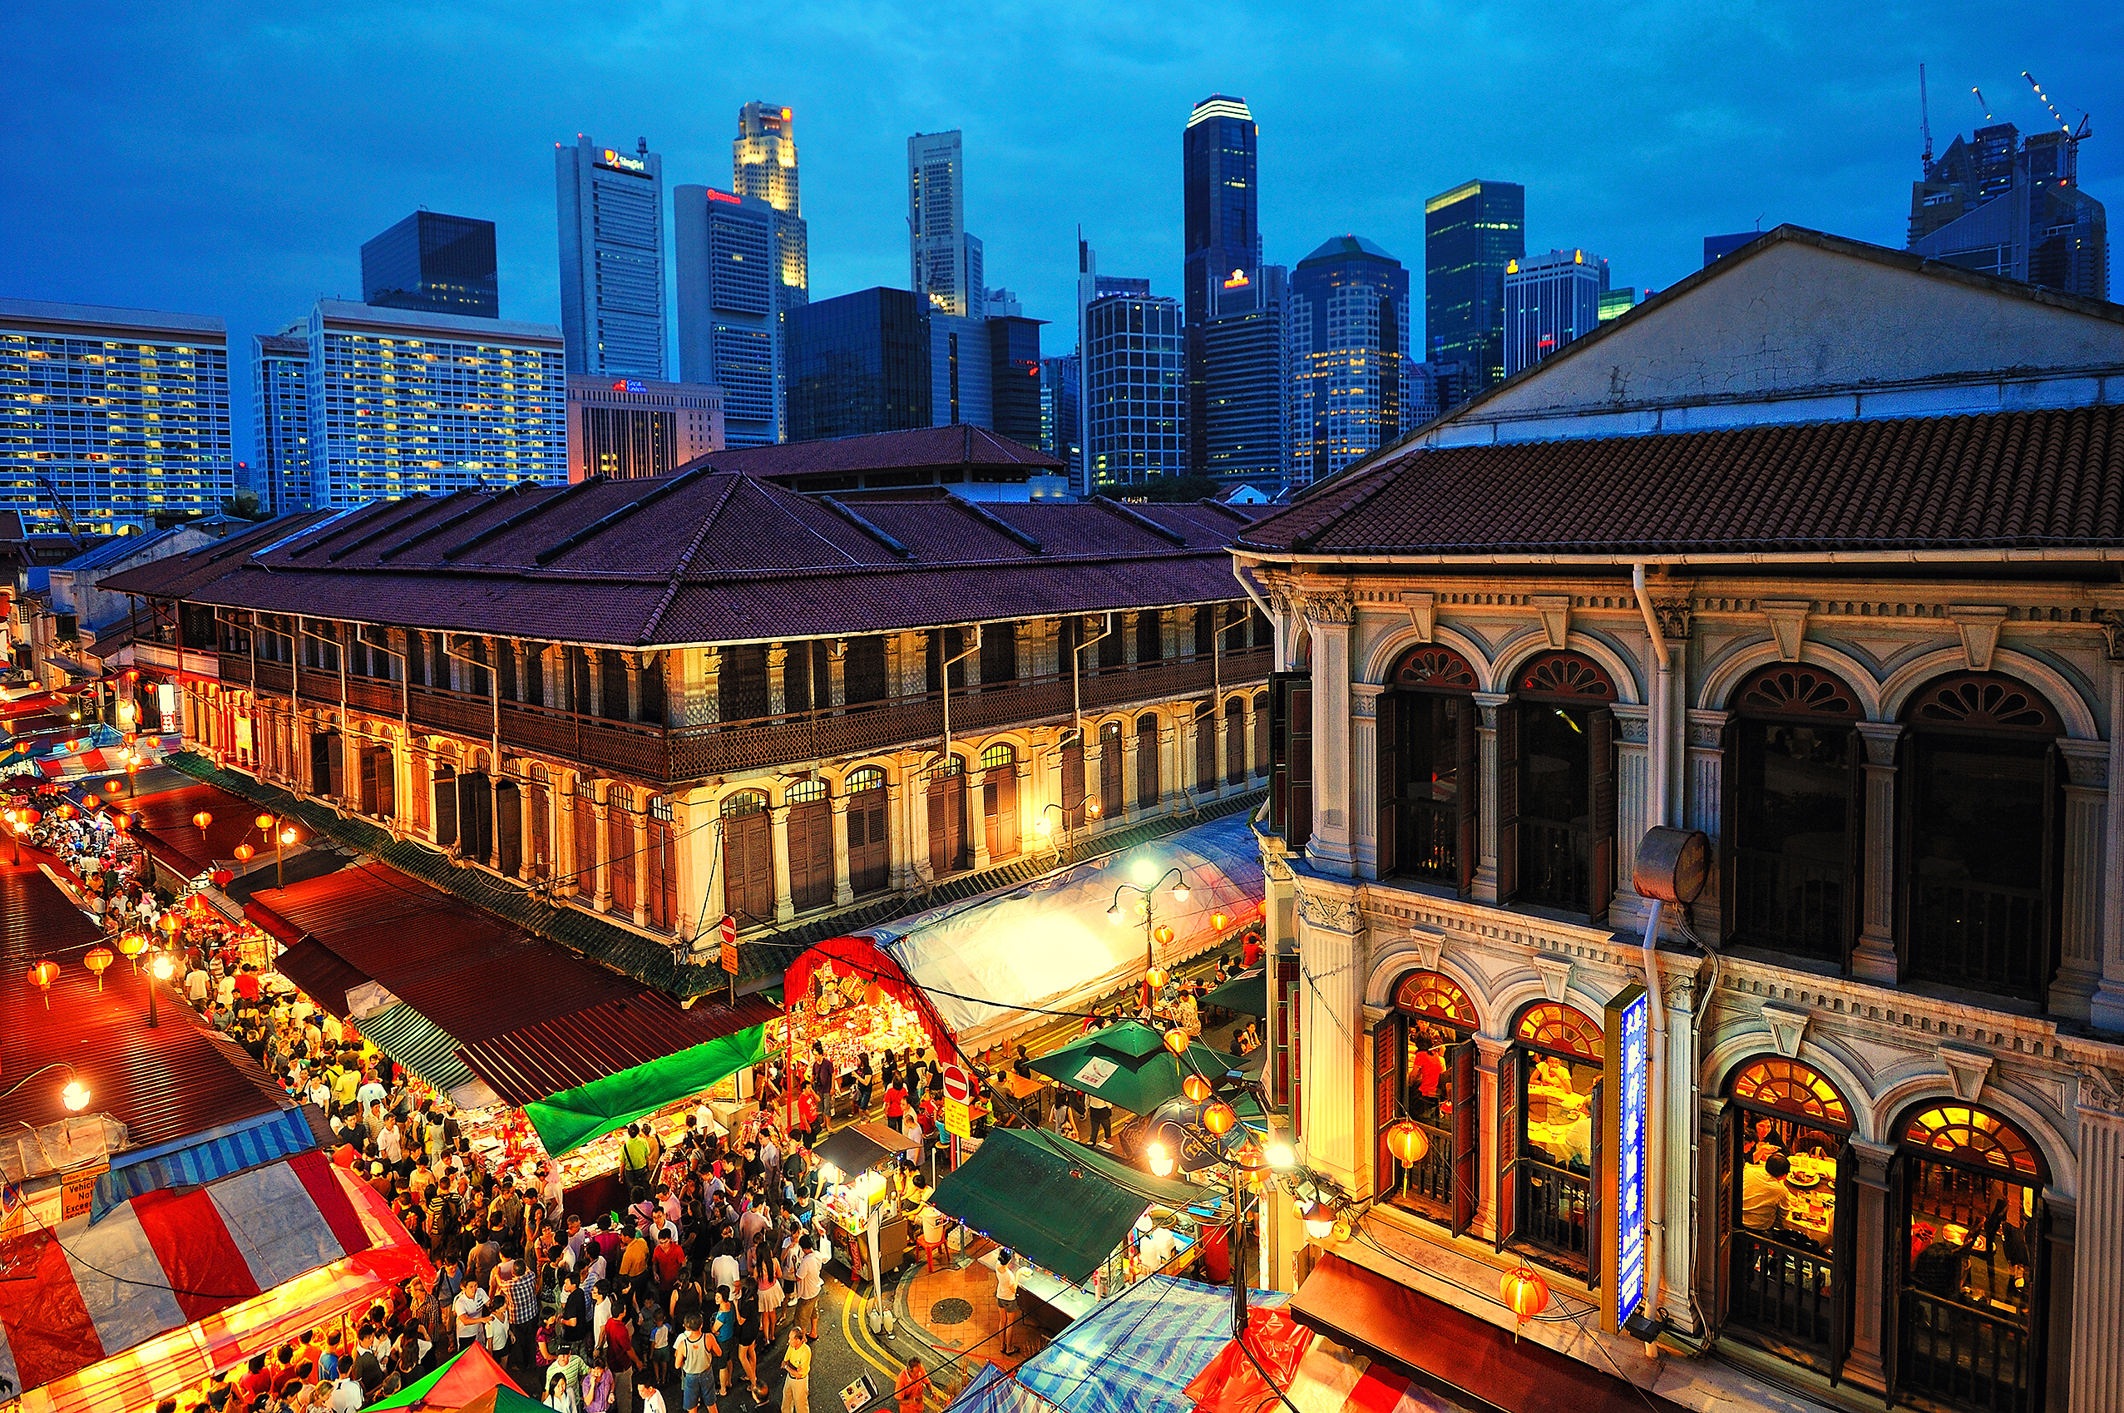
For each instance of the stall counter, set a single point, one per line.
(1051, 1302)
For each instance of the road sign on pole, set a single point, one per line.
(730, 957)
(956, 1085)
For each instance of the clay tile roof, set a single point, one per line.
(2013, 480)
(961, 445)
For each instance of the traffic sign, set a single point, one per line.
(958, 1118)
(956, 1086)
(730, 957)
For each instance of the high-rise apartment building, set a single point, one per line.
(944, 263)
(1220, 201)
(280, 384)
(1061, 430)
(1548, 301)
(611, 258)
(763, 166)
(111, 417)
(1469, 235)
(434, 263)
(1246, 422)
(732, 305)
(2004, 206)
(1135, 390)
(625, 429)
(858, 363)
(404, 403)
(1348, 353)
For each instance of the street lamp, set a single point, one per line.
(279, 832)
(75, 1095)
(1047, 829)
(1153, 977)
(159, 970)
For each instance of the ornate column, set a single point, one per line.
(1364, 778)
(1870, 1281)
(777, 684)
(641, 873)
(1129, 802)
(917, 832)
(843, 890)
(778, 831)
(2106, 1010)
(1220, 727)
(2086, 820)
(1636, 740)
(1029, 811)
(976, 815)
(1489, 1057)
(836, 674)
(900, 845)
(1487, 705)
(525, 665)
(1330, 613)
(2092, 1330)
(1330, 1028)
(1874, 958)
(1127, 629)
(1168, 760)
(707, 708)
(598, 850)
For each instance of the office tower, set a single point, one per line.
(1220, 203)
(1014, 377)
(961, 380)
(280, 370)
(732, 306)
(111, 417)
(1349, 351)
(434, 263)
(1469, 235)
(944, 263)
(1717, 247)
(2004, 206)
(1548, 301)
(404, 403)
(1135, 390)
(1246, 415)
(628, 428)
(1001, 302)
(1614, 303)
(976, 275)
(1061, 433)
(763, 166)
(611, 258)
(858, 363)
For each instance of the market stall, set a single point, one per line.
(868, 1197)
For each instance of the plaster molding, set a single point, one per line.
(1979, 625)
(1326, 910)
(1555, 611)
(1555, 974)
(1677, 619)
(1788, 1027)
(1423, 613)
(1330, 607)
(1967, 1068)
(2102, 1091)
(1788, 624)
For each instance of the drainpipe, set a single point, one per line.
(1655, 1146)
(1662, 701)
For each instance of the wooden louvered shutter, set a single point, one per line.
(508, 828)
(941, 860)
(620, 857)
(1507, 803)
(541, 841)
(759, 867)
(1387, 783)
(417, 783)
(1386, 1096)
(336, 764)
(1467, 1134)
(1511, 1086)
(1073, 780)
(366, 782)
(655, 880)
(1600, 804)
(811, 854)
(1467, 795)
(1148, 791)
(386, 784)
(583, 816)
(1206, 746)
(1003, 784)
(445, 809)
(1724, 1200)
(1298, 722)
(1112, 804)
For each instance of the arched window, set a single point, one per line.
(999, 800)
(623, 859)
(1424, 1072)
(1556, 776)
(1428, 768)
(810, 845)
(1558, 1029)
(660, 866)
(949, 849)
(1783, 1275)
(748, 859)
(869, 853)
(1549, 1096)
(1967, 1245)
(1980, 793)
(582, 829)
(538, 835)
(1150, 785)
(1111, 804)
(1792, 783)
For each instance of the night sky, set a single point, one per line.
(230, 159)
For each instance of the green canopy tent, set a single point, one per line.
(1246, 993)
(1063, 1205)
(571, 1118)
(466, 1377)
(1128, 1066)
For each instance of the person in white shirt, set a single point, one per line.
(723, 1272)
(1000, 1261)
(810, 1281)
(390, 1142)
(470, 1304)
(346, 1394)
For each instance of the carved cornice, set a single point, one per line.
(2112, 624)
(1330, 607)
(1677, 619)
(1327, 910)
(2102, 1090)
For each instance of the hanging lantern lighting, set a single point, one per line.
(1218, 921)
(42, 975)
(264, 822)
(1319, 1219)
(1176, 1041)
(221, 878)
(122, 820)
(1219, 1118)
(131, 945)
(244, 853)
(287, 834)
(114, 784)
(1196, 1088)
(201, 820)
(92, 801)
(98, 961)
(171, 923)
(1164, 934)
(1156, 977)
(1408, 1142)
(75, 1096)
(196, 904)
(1525, 1294)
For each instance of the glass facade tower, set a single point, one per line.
(858, 363)
(611, 258)
(432, 262)
(1135, 390)
(1469, 235)
(732, 306)
(1550, 300)
(1349, 352)
(1220, 217)
(280, 367)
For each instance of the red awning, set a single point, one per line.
(163, 824)
(30, 705)
(1435, 1342)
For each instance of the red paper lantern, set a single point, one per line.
(1218, 920)
(1176, 1041)
(42, 975)
(1219, 1118)
(244, 853)
(1525, 1293)
(132, 944)
(197, 904)
(1408, 1142)
(201, 820)
(264, 821)
(1164, 934)
(92, 801)
(171, 923)
(222, 877)
(98, 961)
(1196, 1088)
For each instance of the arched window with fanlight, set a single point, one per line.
(1978, 860)
(1967, 1250)
(1548, 1146)
(949, 848)
(999, 800)
(1423, 1072)
(1784, 1219)
(1789, 848)
(1556, 785)
(1428, 769)
(869, 851)
(810, 845)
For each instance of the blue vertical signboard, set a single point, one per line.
(1629, 1049)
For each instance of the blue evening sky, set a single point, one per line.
(230, 158)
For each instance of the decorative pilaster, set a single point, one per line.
(2096, 1331)
(1635, 809)
(709, 708)
(1329, 1029)
(1330, 615)
(777, 683)
(901, 846)
(1129, 803)
(843, 890)
(1220, 727)
(1487, 705)
(973, 783)
(602, 900)
(641, 874)
(2086, 811)
(1364, 778)
(1863, 1364)
(778, 831)
(1489, 1058)
(1874, 958)
(2106, 1010)
(836, 674)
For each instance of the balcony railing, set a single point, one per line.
(1553, 865)
(1982, 937)
(1425, 841)
(1555, 1213)
(1782, 1293)
(651, 752)
(1790, 904)
(1963, 1357)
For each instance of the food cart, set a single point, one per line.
(866, 1205)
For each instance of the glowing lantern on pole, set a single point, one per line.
(264, 822)
(1156, 977)
(98, 961)
(222, 878)
(1218, 921)
(42, 975)
(171, 923)
(244, 853)
(1525, 1293)
(131, 945)
(1164, 934)
(1219, 1118)
(1196, 1088)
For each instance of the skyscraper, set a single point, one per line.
(1469, 235)
(2005, 206)
(858, 363)
(944, 263)
(1220, 219)
(1550, 300)
(1060, 425)
(1246, 418)
(626, 429)
(110, 417)
(763, 166)
(611, 258)
(280, 368)
(432, 262)
(1135, 390)
(732, 306)
(1348, 351)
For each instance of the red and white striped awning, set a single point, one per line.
(175, 1285)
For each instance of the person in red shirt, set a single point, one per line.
(247, 985)
(1250, 951)
(807, 1115)
(617, 1345)
(895, 1103)
(669, 1259)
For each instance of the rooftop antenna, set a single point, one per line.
(1924, 115)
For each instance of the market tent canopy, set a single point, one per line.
(1246, 993)
(1113, 1064)
(503, 1400)
(455, 1384)
(972, 967)
(1056, 1201)
(858, 1148)
(176, 1285)
(1137, 1352)
(573, 1117)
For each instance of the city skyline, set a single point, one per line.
(174, 221)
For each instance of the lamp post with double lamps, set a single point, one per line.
(1154, 977)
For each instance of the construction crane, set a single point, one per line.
(1924, 115)
(1981, 103)
(2081, 135)
(65, 515)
